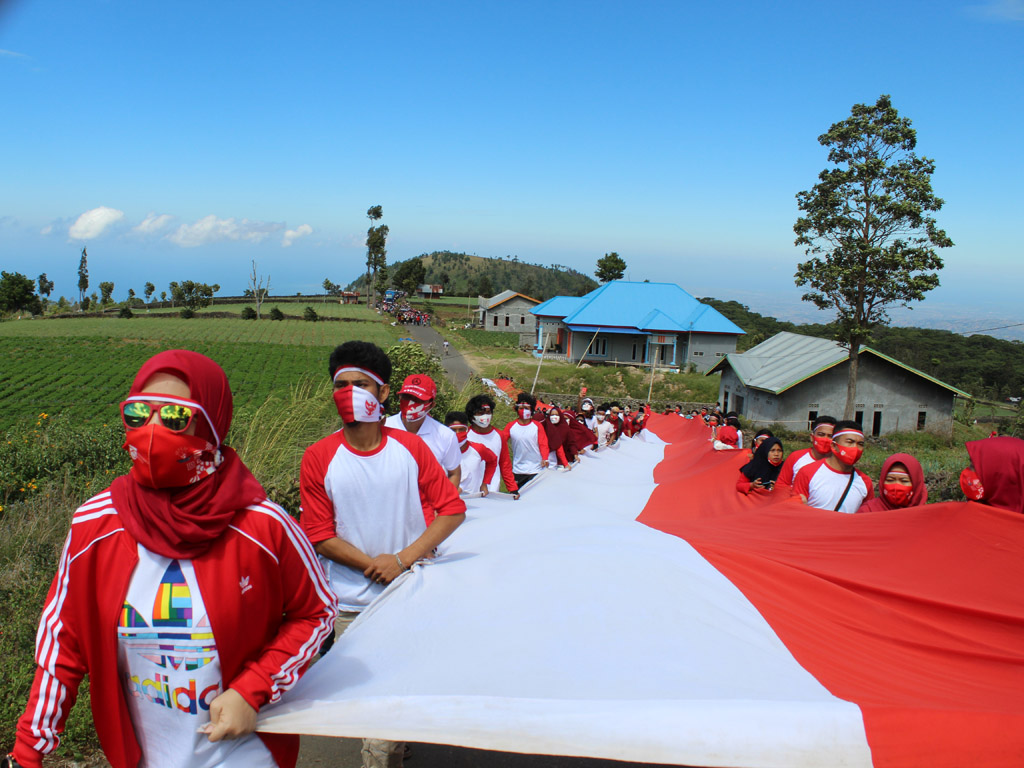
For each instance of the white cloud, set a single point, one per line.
(1002, 10)
(291, 235)
(46, 230)
(210, 229)
(153, 223)
(92, 224)
(12, 54)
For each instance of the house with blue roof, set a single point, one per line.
(656, 324)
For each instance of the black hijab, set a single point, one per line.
(759, 467)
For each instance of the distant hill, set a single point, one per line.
(465, 275)
(980, 365)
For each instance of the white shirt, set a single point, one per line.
(492, 441)
(474, 468)
(441, 441)
(170, 669)
(604, 430)
(526, 458)
(824, 486)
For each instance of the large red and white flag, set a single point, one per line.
(638, 608)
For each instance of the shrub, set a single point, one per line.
(248, 313)
(276, 314)
(85, 304)
(187, 313)
(125, 312)
(309, 315)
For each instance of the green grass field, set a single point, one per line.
(330, 308)
(83, 367)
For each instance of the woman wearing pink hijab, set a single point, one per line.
(188, 597)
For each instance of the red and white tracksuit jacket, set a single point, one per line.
(267, 598)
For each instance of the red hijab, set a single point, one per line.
(558, 433)
(918, 496)
(999, 462)
(184, 522)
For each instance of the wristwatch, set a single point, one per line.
(8, 761)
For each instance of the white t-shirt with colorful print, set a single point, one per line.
(167, 657)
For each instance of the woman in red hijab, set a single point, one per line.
(560, 445)
(188, 598)
(996, 474)
(900, 484)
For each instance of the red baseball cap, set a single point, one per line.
(419, 386)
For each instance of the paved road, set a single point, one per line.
(455, 365)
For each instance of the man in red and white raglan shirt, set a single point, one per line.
(415, 399)
(374, 499)
(479, 463)
(528, 441)
(821, 446)
(834, 482)
(480, 410)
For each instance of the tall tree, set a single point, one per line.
(376, 252)
(83, 275)
(18, 292)
(868, 227)
(106, 290)
(45, 286)
(610, 267)
(260, 287)
(150, 290)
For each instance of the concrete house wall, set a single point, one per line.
(705, 350)
(512, 316)
(898, 395)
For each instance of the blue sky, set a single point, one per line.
(184, 140)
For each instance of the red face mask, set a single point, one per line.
(823, 444)
(356, 404)
(413, 410)
(897, 493)
(165, 459)
(971, 485)
(775, 462)
(462, 435)
(525, 414)
(848, 454)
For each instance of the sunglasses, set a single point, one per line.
(175, 416)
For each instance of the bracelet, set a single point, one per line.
(400, 563)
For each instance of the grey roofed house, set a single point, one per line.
(510, 312)
(791, 379)
(635, 324)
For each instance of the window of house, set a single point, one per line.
(506, 320)
(601, 346)
(922, 416)
(876, 424)
(698, 354)
(719, 354)
(739, 405)
(811, 416)
(495, 321)
(858, 416)
(522, 319)
(634, 351)
(725, 402)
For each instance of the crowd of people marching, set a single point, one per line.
(403, 312)
(192, 600)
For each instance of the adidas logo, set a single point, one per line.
(244, 584)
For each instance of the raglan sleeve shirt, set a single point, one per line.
(786, 474)
(317, 518)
